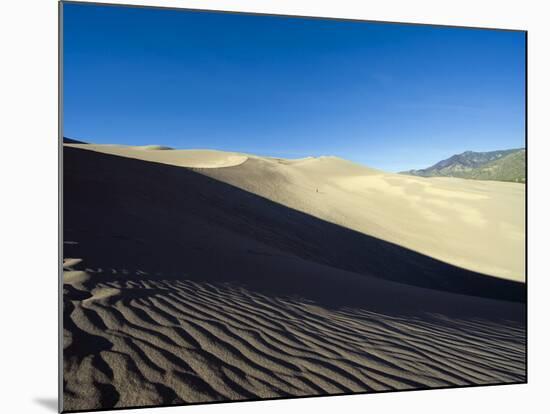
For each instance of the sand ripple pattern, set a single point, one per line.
(136, 341)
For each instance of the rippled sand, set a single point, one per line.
(181, 286)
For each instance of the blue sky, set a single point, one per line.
(389, 96)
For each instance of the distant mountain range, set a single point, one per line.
(505, 165)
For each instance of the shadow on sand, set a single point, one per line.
(131, 215)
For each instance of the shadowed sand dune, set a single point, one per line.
(479, 226)
(180, 287)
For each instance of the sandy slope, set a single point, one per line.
(182, 288)
(476, 225)
(166, 155)
(472, 224)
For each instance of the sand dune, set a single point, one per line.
(195, 285)
(483, 222)
(169, 156)
(476, 225)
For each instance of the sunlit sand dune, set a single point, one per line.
(244, 277)
(478, 225)
(166, 155)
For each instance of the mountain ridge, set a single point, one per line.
(500, 165)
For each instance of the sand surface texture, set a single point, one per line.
(240, 282)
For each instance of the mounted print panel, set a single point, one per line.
(263, 206)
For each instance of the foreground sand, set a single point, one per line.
(179, 287)
(177, 341)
